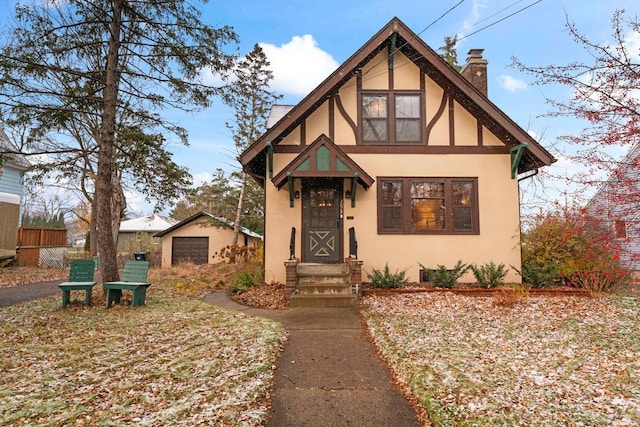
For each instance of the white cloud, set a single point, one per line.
(299, 65)
(511, 83)
(472, 18)
(632, 43)
(535, 135)
(201, 178)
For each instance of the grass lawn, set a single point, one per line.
(552, 361)
(176, 361)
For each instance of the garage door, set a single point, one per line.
(193, 249)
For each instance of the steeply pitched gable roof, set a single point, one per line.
(222, 221)
(323, 158)
(434, 66)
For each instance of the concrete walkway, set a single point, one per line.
(28, 292)
(328, 373)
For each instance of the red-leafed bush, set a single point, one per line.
(579, 250)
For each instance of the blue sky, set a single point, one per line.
(305, 41)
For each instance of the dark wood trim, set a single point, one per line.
(391, 108)
(346, 117)
(406, 205)
(480, 137)
(303, 134)
(359, 106)
(390, 77)
(452, 123)
(423, 109)
(405, 149)
(332, 133)
(323, 174)
(434, 120)
(423, 149)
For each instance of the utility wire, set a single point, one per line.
(439, 18)
(489, 17)
(472, 25)
(423, 30)
(500, 20)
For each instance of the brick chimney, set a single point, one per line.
(475, 70)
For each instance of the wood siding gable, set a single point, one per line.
(617, 200)
(458, 98)
(323, 159)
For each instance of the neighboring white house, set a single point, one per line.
(149, 225)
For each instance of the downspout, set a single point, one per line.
(270, 158)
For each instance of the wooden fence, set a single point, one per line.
(41, 247)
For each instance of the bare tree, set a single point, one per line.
(604, 95)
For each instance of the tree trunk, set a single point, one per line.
(93, 229)
(236, 224)
(106, 151)
(118, 205)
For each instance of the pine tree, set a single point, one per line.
(99, 72)
(449, 53)
(251, 100)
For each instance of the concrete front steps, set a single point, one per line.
(322, 285)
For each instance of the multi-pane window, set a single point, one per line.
(374, 118)
(323, 212)
(391, 200)
(391, 118)
(463, 206)
(428, 205)
(620, 229)
(407, 118)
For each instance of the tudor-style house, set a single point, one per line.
(398, 152)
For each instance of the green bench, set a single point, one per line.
(134, 279)
(80, 279)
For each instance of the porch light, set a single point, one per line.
(296, 194)
(347, 194)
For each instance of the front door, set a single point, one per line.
(321, 221)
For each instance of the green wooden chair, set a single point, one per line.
(134, 278)
(80, 279)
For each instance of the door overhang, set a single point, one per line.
(323, 159)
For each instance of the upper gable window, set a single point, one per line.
(391, 117)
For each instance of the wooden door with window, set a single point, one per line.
(321, 225)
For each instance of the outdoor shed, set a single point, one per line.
(147, 225)
(199, 237)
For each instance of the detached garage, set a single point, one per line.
(194, 249)
(197, 238)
